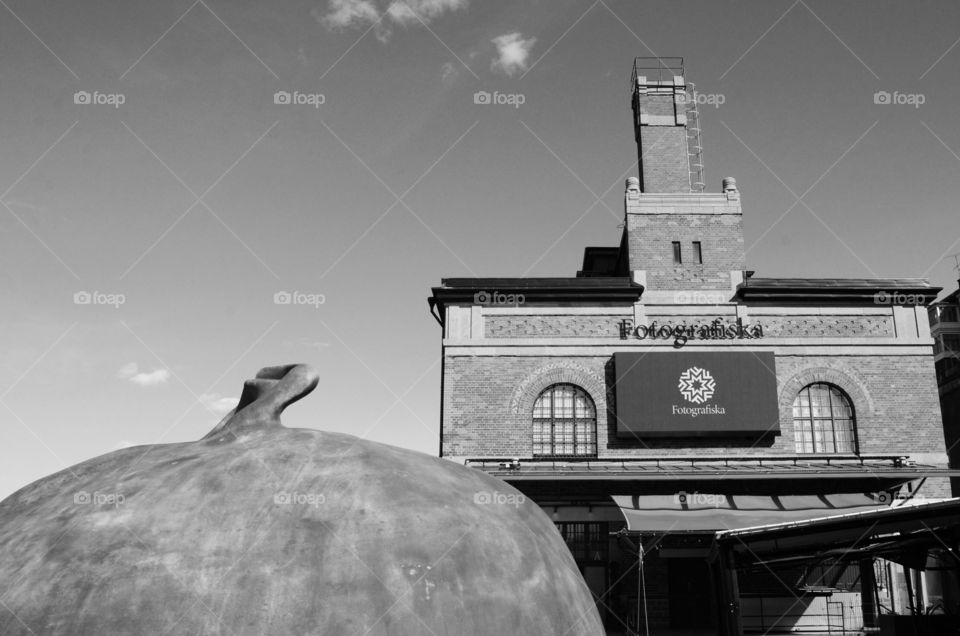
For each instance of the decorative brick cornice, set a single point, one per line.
(563, 372)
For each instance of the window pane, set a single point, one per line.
(564, 422)
(822, 420)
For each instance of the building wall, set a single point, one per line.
(667, 168)
(488, 402)
(498, 360)
(559, 325)
(654, 222)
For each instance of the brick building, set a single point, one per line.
(945, 329)
(666, 394)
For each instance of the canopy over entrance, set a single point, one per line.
(704, 512)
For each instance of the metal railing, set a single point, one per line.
(664, 68)
(839, 618)
(586, 463)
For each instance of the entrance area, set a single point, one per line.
(690, 600)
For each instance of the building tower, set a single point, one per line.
(679, 239)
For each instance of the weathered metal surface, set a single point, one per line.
(261, 529)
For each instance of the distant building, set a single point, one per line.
(666, 395)
(945, 329)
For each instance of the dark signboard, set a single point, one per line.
(682, 394)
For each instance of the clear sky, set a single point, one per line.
(198, 198)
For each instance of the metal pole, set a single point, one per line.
(643, 590)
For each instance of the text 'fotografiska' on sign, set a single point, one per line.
(682, 333)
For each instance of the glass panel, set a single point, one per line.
(823, 420)
(564, 422)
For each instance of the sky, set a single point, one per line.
(172, 172)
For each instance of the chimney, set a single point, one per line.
(666, 126)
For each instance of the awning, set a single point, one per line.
(705, 512)
(893, 532)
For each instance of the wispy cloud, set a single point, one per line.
(217, 403)
(448, 72)
(362, 14)
(512, 53)
(132, 373)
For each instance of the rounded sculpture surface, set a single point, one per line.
(261, 529)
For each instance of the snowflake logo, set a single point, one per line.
(697, 385)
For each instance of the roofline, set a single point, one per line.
(512, 476)
(878, 291)
(607, 290)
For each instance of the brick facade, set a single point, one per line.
(557, 325)
(655, 222)
(667, 169)
(488, 401)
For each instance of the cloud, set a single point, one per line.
(131, 372)
(344, 14)
(218, 404)
(512, 53)
(361, 14)
(448, 72)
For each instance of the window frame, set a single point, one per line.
(677, 253)
(698, 252)
(809, 423)
(546, 428)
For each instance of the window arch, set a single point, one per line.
(564, 422)
(823, 420)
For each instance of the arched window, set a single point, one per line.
(823, 420)
(564, 422)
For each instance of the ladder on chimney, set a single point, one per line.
(694, 147)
